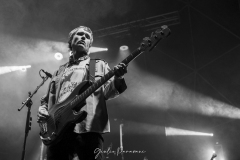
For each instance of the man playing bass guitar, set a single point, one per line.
(85, 136)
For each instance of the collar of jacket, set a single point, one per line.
(72, 61)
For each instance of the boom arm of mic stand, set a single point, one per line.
(31, 95)
(121, 144)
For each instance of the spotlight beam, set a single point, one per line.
(7, 69)
(169, 131)
(97, 49)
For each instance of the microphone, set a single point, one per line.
(213, 156)
(47, 74)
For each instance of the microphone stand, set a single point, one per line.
(121, 143)
(28, 103)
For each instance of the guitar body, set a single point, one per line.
(63, 116)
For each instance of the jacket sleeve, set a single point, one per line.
(113, 87)
(44, 99)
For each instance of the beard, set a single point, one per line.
(80, 48)
(80, 52)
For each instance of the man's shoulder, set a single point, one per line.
(60, 69)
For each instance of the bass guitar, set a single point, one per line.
(67, 113)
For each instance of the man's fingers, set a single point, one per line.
(42, 110)
(43, 114)
(42, 118)
(120, 69)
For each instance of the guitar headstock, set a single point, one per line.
(150, 42)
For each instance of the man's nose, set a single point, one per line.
(83, 37)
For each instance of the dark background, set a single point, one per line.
(190, 81)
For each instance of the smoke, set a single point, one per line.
(26, 25)
(26, 51)
(12, 13)
(47, 17)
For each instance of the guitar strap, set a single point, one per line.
(92, 66)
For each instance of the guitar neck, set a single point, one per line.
(148, 43)
(132, 56)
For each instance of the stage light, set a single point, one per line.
(169, 131)
(24, 69)
(8, 69)
(123, 48)
(123, 52)
(58, 56)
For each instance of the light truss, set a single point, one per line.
(147, 24)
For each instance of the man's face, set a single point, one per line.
(81, 41)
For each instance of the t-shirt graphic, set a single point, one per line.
(71, 78)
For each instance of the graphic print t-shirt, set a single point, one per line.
(71, 78)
